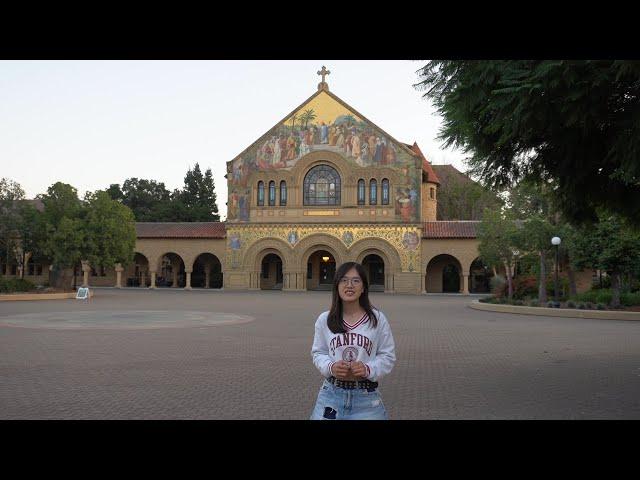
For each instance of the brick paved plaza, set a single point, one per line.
(167, 354)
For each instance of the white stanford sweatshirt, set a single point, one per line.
(362, 343)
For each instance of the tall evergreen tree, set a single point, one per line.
(199, 196)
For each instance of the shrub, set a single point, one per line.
(581, 306)
(570, 304)
(549, 304)
(563, 286)
(524, 286)
(600, 306)
(589, 306)
(630, 299)
(10, 285)
(604, 296)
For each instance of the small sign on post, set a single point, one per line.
(83, 294)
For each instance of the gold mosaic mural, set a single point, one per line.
(405, 239)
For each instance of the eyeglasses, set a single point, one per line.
(355, 281)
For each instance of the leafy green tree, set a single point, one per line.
(61, 200)
(110, 231)
(30, 230)
(148, 199)
(10, 194)
(65, 244)
(611, 245)
(572, 122)
(529, 203)
(498, 243)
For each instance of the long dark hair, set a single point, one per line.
(334, 320)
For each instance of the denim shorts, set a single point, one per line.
(335, 403)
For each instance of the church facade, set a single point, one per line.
(323, 186)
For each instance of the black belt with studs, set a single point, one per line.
(352, 384)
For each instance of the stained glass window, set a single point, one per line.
(385, 191)
(272, 193)
(260, 194)
(322, 186)
(283, 192)
(373, 192)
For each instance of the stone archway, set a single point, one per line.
(374, 266)
(207, 271)
(271, 276)
(171, 272)
(308, 246)
(258, 251)
(444, 274)
(479, 277)
(385, 251)
(321, 269)
(137, 273)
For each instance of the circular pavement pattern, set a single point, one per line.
(136, 319)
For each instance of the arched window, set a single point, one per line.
(432, 193)
(373, 192)
(361, 194)
(272, 193)
(260, 194)
(322, 186)
(283, 192)
(385, 191)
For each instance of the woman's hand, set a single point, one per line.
(358, 369)
(341, 370)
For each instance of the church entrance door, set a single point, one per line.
(374, 266)
(321, 268)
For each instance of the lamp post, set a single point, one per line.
(556, 241)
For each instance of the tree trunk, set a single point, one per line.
(615, 289)
(24, 255)
(60, 278)
(542, 285)
(509, 281)
(573, 291)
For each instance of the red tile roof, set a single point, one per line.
(426, 166)
(450, 229)
(180, 230)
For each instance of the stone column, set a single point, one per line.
(188, 285)
(119, 270)
(153, 280)
(465, 285)
(207, 275)
(254, 280)
(424, 283)
(388, 283)
(85, 274)
(143, 278)
(291, 281)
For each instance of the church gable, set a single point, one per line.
(322, 123)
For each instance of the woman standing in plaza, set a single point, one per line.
(353, 349)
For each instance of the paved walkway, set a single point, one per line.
(138, 354)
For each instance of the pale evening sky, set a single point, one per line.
(94, 123)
